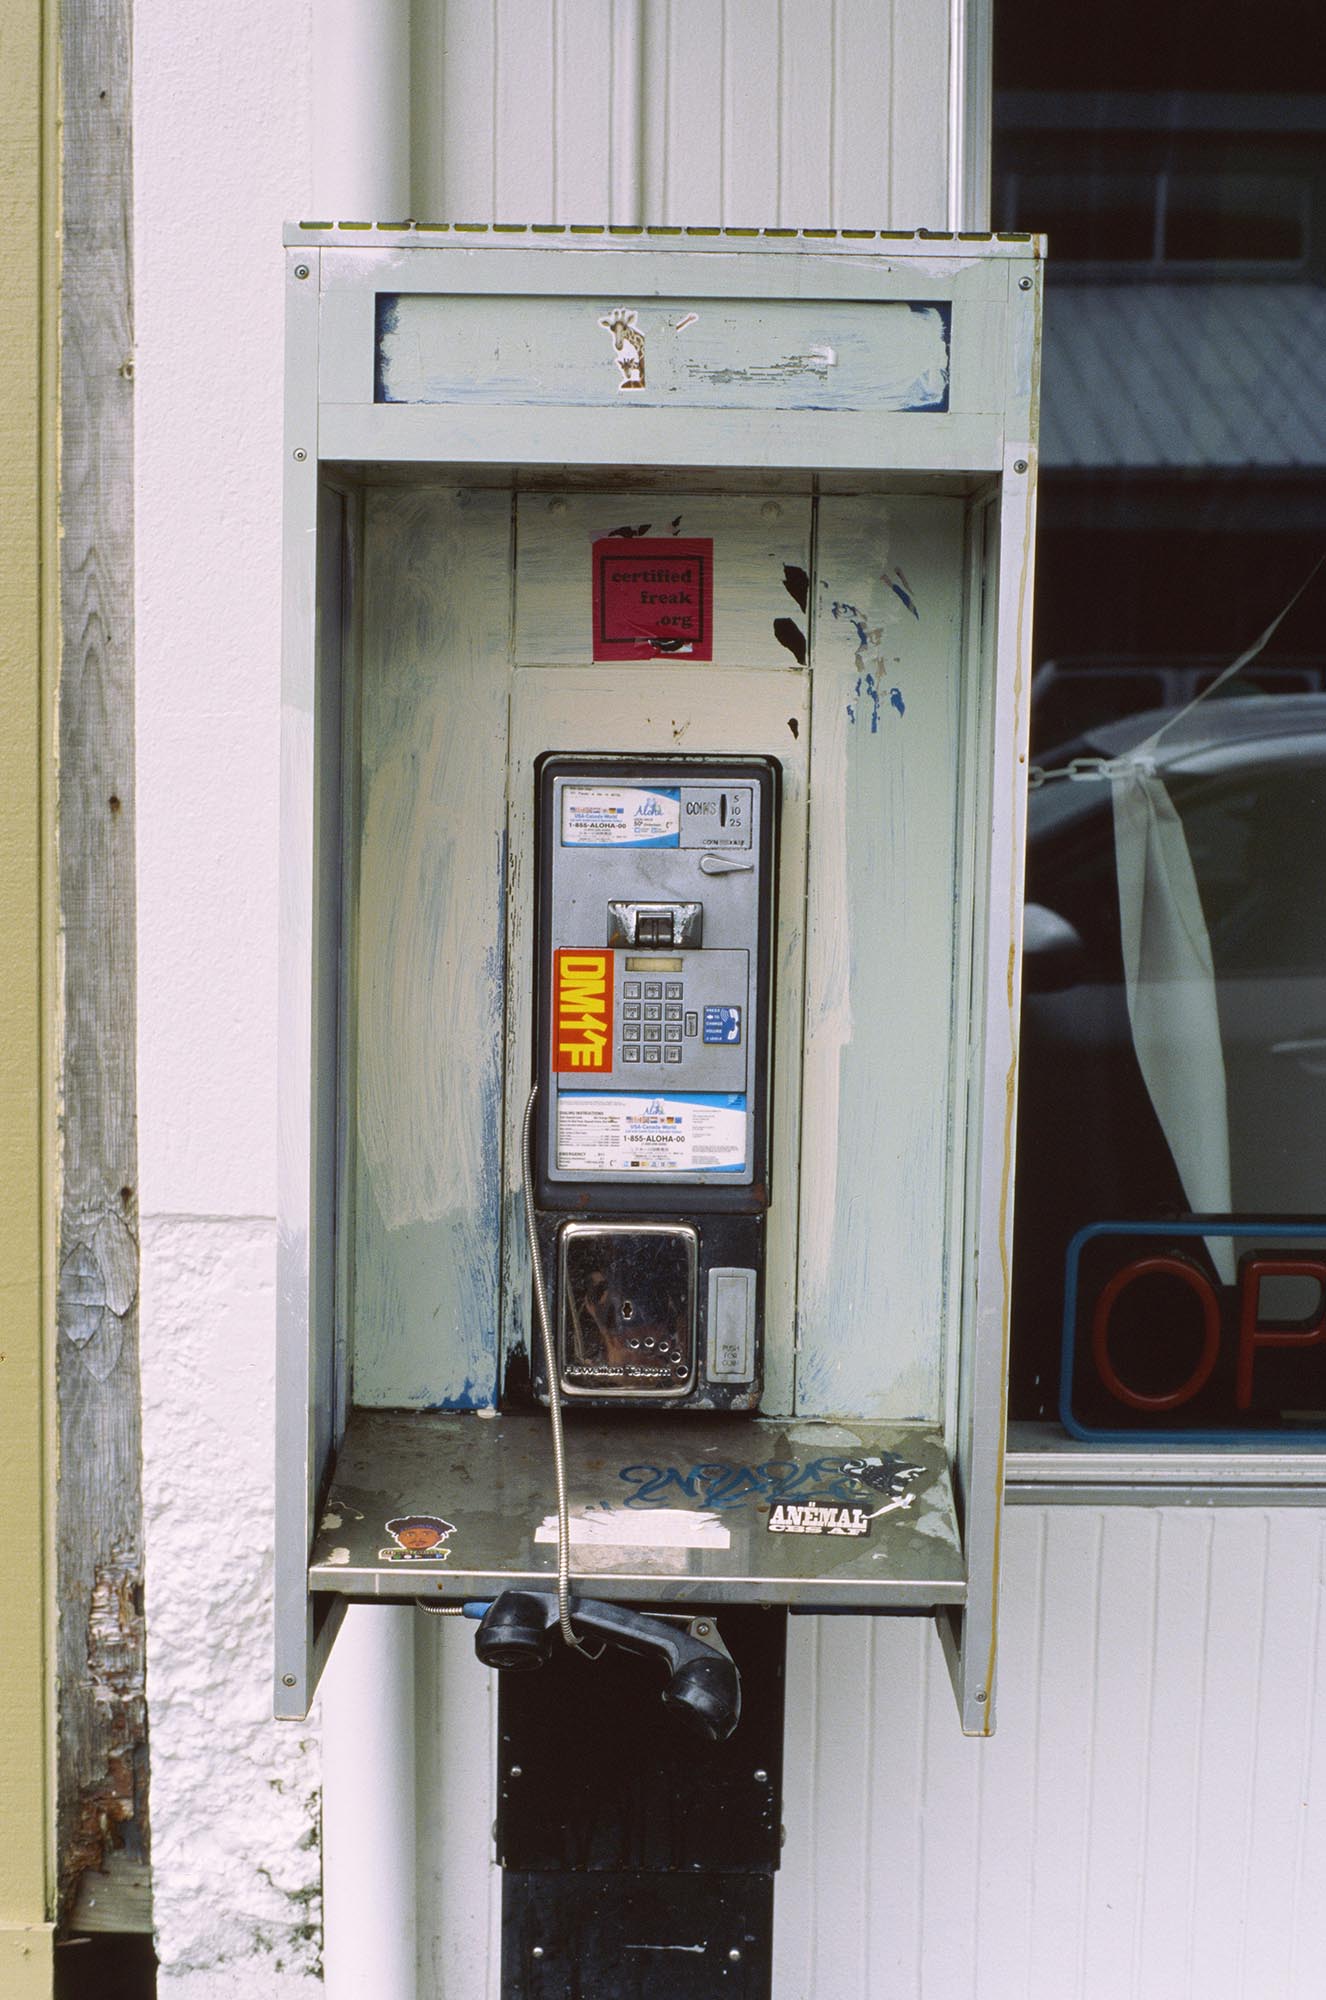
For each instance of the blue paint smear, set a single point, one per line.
(387, 314)
(855, 618)
(943, 312)
(470, 1396)
(869, 688)
(902, 596)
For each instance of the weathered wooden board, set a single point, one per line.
(674, 710)
(761, 559)
(29, 112)
(880, 948)
(429, 928)
(102, 1738)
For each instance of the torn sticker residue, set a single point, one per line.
(663, 1528)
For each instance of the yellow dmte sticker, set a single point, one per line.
(582, 1010)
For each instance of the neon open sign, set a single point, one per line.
(1159, 1342)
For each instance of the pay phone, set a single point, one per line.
(650, 1156)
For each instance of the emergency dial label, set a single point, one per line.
(582, 1010)
(640, 1134)
(621, 816)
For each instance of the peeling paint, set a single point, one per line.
(902, 590)
(115, 1677)
(869, 688)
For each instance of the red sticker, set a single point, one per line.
(653, 599)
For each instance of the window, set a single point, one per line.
(1174, 1019)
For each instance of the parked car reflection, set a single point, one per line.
(1247, 775)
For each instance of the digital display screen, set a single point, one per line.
(654, 964)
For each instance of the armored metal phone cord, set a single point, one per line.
(550, 1375)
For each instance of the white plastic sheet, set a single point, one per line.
(1168, 968)
(1169, 976)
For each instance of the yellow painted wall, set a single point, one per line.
(26, 853)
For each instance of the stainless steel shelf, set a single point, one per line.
(664, 1509)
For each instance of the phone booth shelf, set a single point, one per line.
(660, 511)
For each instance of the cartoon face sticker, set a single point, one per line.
(419, 1538)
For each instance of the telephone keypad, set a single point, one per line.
(643, 1013)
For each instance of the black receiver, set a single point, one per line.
(653, 944)
(703, 1689)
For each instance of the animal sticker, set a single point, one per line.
(628, 344)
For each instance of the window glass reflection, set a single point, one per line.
(1174, 1026)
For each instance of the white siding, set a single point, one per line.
(1146, 1824)
(1143, 1825)
(777, 113)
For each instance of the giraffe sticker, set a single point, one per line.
(629, 345)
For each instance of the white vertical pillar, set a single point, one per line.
(361, 110)
(628, 109)
(971, 59)
(361, 172)
(368, 1816)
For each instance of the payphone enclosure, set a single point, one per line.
(655, 692)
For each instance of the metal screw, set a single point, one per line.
(761, 1777)
(301, 271)
(537, 1951)
(299, 455)
(287, 1680)
(735, 1952)
(1024, 284)
(981, 1695)
(517, 1771)
(702, 1630)
(1019, 464)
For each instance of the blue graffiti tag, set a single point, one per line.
(718, 1485)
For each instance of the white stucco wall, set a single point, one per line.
(221, 148)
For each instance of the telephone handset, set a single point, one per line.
(653, 939)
